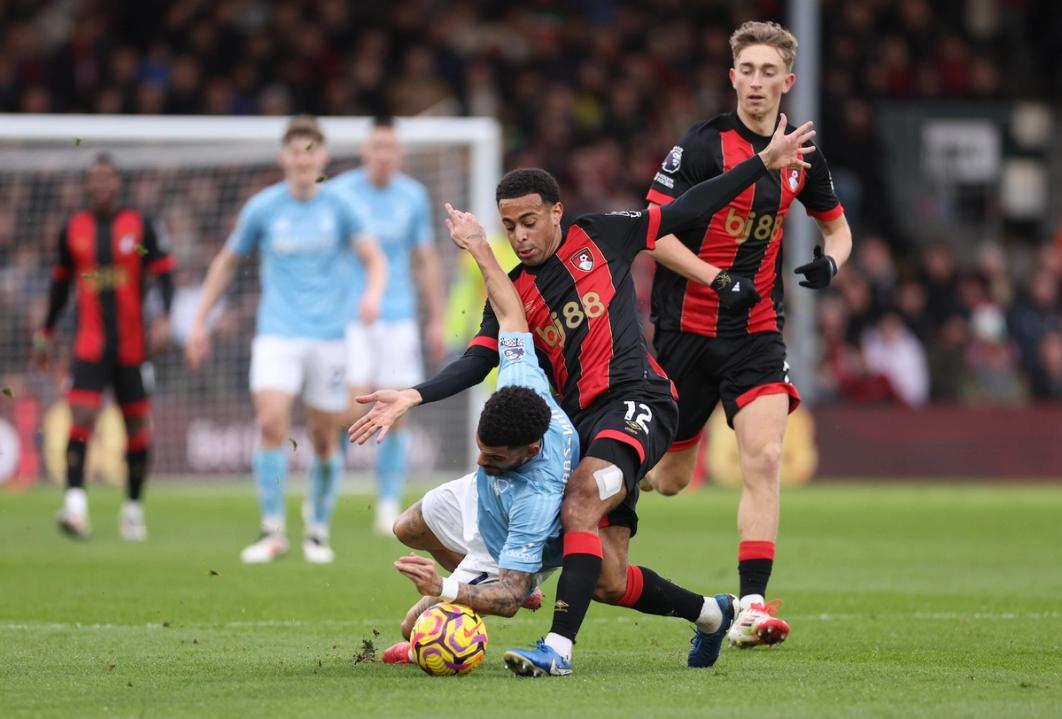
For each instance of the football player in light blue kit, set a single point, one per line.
(302, 230)
(386, 354)
(498, 529)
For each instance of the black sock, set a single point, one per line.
(575, 588)
(662, 597)
(75, 462)
(754, 574)
(136, 460)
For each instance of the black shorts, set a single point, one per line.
(631, 427)
(708, 369)
(90, 378)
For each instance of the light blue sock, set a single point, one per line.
(270, 467)
(325, 476)
(392, 459)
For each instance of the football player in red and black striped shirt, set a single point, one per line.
(579, 298)
(736, 353)
(108, 253)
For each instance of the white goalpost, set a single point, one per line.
(192, 174)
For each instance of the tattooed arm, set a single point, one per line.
(501, 598)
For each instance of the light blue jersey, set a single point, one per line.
(519, 511)
(306, 260)
(399, 219)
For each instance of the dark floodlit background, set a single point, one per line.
(937, 352)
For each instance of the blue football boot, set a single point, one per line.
(541, 661)
(704, 649)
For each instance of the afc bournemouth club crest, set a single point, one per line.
(583, 260)
(793, 178)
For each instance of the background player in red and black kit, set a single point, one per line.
(735, 353)
(107, 252)
(580, 303)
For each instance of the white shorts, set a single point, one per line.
(384, 355)
(449, 510)
(317, 368)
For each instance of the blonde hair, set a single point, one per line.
(765, 33)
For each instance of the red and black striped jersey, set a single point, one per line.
(744, 237)
(107, 259)
(582, 311)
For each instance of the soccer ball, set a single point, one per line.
(448, 639)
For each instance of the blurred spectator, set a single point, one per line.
(595, 92)
(892, 350)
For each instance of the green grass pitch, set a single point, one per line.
(905, 600)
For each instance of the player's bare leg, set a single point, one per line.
(760, 428)
(673, 472)
(412, 531)
(326, 472)
(273, 416)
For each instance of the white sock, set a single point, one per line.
(132, 508)
(273, 525)
(318, 531)
(559, 644)
(711, 617)
(76, 501)
(749, 599)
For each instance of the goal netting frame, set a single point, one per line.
(464, 155)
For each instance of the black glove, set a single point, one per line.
(736, 293)
(818, 272)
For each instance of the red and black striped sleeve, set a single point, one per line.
(62, 273)
(818, 195)
(626, 232)
(686, 164)
(470, 368)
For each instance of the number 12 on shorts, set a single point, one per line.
(643, 418)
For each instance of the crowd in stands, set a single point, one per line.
(597, 91)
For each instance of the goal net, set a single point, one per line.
(192, 174)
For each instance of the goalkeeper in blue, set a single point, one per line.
(302, 230)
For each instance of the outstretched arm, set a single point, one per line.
(219, 275)
(468, 234)
(501, 598)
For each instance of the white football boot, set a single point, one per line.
(269, 546)
(131, 525)
(73, 519)
(315, 547)
(756, 625)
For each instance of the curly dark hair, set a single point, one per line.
(528, 181)
(513, 417)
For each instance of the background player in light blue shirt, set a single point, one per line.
(303, 231)
(385, 354)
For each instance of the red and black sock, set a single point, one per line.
(755, 561)
(649, 593)
(75, 456)
(575, 588)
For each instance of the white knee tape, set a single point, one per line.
(609, 481)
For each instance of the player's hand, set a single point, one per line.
(198, 346)
(465, 230)
(42, 350)
(160, 336)
(736, 293)
(421, 571)
(787, 151)
(435, 340)
(388, 406)
(369, 309)
(819, 272)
